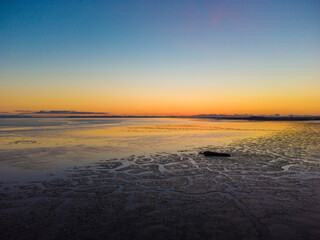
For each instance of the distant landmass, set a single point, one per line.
(210, 116)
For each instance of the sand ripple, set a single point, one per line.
(267, 189)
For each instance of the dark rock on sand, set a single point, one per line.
(215, 154)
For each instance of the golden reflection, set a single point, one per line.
(179, 132)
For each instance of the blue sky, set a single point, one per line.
(229, 44)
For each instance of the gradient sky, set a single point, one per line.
(160, 57)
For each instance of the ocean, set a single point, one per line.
(145, 178)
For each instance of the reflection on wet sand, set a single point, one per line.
(51, 145)
(267, 189)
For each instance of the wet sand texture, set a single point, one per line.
(267, 189)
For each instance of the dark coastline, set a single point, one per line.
(262, 118)
(247, 118)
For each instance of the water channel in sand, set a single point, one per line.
(33, 148)
(267, 189)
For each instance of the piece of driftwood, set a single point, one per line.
(215, 154)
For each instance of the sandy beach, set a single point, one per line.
(267, 189)
(160, 120)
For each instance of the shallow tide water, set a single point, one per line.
(34, 148)
(145, 178)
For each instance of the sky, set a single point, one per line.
(160, 57)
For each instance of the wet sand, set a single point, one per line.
(267, 189)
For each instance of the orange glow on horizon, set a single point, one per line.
(161, 99)
(164, 106)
